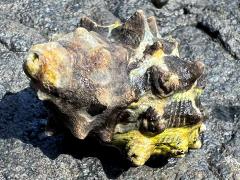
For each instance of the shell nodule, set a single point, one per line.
(123, 83)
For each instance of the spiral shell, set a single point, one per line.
(116, 79)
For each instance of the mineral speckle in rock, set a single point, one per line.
(159, 3)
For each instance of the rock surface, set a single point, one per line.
(208, 30)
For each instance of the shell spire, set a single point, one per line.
(153, 26)
(132, 32)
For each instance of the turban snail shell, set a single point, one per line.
(123, 83)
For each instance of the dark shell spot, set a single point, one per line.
(95, 109)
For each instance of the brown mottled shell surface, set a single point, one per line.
(114, 79)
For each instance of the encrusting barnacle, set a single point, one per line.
(123, 83)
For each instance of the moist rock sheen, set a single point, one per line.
(26, 154)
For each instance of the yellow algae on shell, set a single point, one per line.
(191, 94)
(47, 62)
(32, 64)
(173, 142)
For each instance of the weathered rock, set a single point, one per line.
(27, 154)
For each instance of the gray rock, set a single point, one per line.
(207, 30)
